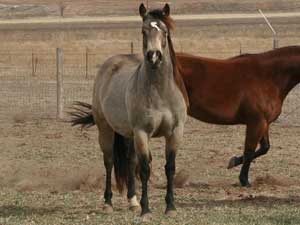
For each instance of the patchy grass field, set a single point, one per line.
(53, 174)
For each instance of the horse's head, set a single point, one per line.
(155, 33)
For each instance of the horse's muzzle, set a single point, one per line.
(154, 57)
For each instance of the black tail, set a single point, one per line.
(122, 153)
(82, 115)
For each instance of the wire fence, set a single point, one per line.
(28, 84)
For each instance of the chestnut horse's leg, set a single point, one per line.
(264, 147)
(254, 133)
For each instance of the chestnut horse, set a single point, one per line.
(247, 89)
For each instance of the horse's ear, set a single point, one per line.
(142, 10)
(166, 10)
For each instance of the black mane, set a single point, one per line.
(160, 15)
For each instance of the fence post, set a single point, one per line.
(131, 47)
(275, 42)
(241, 49)
(32, 64)
(86, 63)
(59, 83)
(275, 39)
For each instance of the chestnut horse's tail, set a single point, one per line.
(82, 115)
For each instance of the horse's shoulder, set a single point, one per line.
(121, 59)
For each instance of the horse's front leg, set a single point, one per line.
(172, 144)
(131, 195)
(141, 143)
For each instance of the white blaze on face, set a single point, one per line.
(154, 57)
(154, 25)
(154, 44)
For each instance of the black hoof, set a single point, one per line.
(245, 183)
(232, 162)
(145, 212)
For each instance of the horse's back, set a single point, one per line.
(224, 91)
(110, 89)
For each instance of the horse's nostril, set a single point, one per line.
(154, 56)
(149, 55)
(159, 56)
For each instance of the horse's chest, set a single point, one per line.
(159, 122)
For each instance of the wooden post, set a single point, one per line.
(275, 42)
(131, 47)
(241, 49)
(59, 82)
(86, 63)
(32, 65)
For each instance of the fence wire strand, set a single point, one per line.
(28, 81)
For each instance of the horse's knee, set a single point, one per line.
(248, 156)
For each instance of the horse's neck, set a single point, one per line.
(159, 79)
(290, 78)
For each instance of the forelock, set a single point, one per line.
(159, 15)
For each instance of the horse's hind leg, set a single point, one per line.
(254, 133)
(264, 148)
(106, 138)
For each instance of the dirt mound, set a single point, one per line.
(51, 178)
(272, 181)
(181, 179)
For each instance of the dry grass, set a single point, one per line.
(53, 174)
(129, 7)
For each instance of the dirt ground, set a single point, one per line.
(52, 173)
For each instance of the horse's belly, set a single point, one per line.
(114, 107)
(115, 114)
(224, 116)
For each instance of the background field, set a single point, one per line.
(29, 8)
(53, 174)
